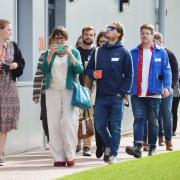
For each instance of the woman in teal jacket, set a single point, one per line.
(61, 66)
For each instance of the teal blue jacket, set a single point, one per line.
(71, 72)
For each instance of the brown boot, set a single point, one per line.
(161, 141)
(169, 146)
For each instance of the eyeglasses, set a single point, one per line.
(59, 37)
(111, 28)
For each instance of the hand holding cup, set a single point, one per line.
(98, 74)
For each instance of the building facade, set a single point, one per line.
(34, 20)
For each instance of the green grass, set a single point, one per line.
(159, 167)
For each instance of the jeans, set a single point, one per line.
(145, 131)
(108, 117)
(175, 105)
(165, 118)
(145, 108)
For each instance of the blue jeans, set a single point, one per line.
(145, 108)
(165, 118)
(108, 117)
(145, 131)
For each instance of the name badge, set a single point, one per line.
(157, 59)
(114, 59)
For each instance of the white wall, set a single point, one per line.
(39, 28)
(102, 12)
(29, 133)
(8, 11)
(173, 27)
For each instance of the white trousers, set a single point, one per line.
(62, 124)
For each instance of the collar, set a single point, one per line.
(151, 47)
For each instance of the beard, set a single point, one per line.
(87, 42)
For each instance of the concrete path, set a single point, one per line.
(37, 164)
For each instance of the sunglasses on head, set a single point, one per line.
(111, 28)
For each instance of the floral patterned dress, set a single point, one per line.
(9, 99)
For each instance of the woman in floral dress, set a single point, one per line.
(11, 67)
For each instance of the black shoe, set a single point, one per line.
(86, 151)
(106, 155)
(174, 134)
(78, 148)
(1, 162)
(99, 152)
(152, 150)
(134, 151)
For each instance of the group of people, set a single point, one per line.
(148, 73)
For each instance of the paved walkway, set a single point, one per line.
(37, 164)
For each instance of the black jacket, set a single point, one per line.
(18, 58)
(174, 67)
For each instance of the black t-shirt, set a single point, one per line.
(85, 56)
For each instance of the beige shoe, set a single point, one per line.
(161, 141)
(146, 148)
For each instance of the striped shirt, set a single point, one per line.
(39, 80)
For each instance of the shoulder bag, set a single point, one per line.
(81, 96)
(86, 128)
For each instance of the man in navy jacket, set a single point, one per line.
(113, 84)
(152, 80)
(165, 115)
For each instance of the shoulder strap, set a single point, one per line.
(95, 57)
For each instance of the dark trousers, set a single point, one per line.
(175, 105)
(99, 141)
(43, 116)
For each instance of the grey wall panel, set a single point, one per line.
(29, 133)
(25, 36)
(60, 13)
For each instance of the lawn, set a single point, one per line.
(164, 166)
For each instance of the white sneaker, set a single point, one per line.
(112, 159)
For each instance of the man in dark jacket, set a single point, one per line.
(114, 75)
(165, 115)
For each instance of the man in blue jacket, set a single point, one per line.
(113, 84)
(152, 80)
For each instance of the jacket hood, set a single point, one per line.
(117, 44)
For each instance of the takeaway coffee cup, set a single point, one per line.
(99, 74)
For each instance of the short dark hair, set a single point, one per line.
(147, 26)
(88, 28)
(101, 34)
(59, 31)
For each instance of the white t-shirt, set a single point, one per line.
(145, 71)
(59, 73)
